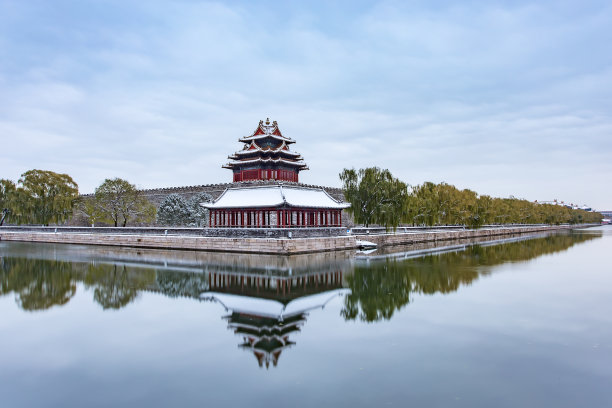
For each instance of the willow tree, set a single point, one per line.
(376, 197)
(8, 192)
(45, 197)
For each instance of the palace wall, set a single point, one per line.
(157, 195)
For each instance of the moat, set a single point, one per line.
(520, 321)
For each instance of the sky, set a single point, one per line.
(506, 98)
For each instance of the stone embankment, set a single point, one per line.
(444, 234)
(280, 246)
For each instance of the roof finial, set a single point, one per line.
(261, 122)
(267, 121)
(274, 123)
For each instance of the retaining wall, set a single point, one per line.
(244, 245)
(280, 246)
(446, 234)
(201, 232)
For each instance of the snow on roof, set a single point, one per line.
(273, 308)
(275, 196)
(268, 160)
(257, 137)
(267, 129)
(268, 150)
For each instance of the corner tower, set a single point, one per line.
(266, 156)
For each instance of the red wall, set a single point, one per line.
(266, 174)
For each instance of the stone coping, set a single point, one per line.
(278, 246)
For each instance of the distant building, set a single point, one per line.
(570, 205)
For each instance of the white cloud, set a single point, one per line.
(504, 100)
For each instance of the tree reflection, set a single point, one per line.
(38, 284)
(112, 289)
(379, 288)
(174, 284)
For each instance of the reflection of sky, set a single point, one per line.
(533, 333)
(440, 91)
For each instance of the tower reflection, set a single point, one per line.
(265, 311)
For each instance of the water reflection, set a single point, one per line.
(382, 286)
(266, 298)
(47, 275)
(38, 284)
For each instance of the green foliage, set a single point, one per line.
(375, 196)
(44, 197)
(119, 202)
(444, 204)
(378, 198)
(89, 208)
(8, 198)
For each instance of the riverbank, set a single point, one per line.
(146, 238)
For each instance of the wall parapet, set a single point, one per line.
(137, 238)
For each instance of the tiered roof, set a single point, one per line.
(265, 130)
(266, 145)
(275, 196)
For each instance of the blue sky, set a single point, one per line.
(505, 98)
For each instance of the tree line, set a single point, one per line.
(378, 198)
(44, 197)
(38, 197)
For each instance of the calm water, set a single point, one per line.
(526, 323)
